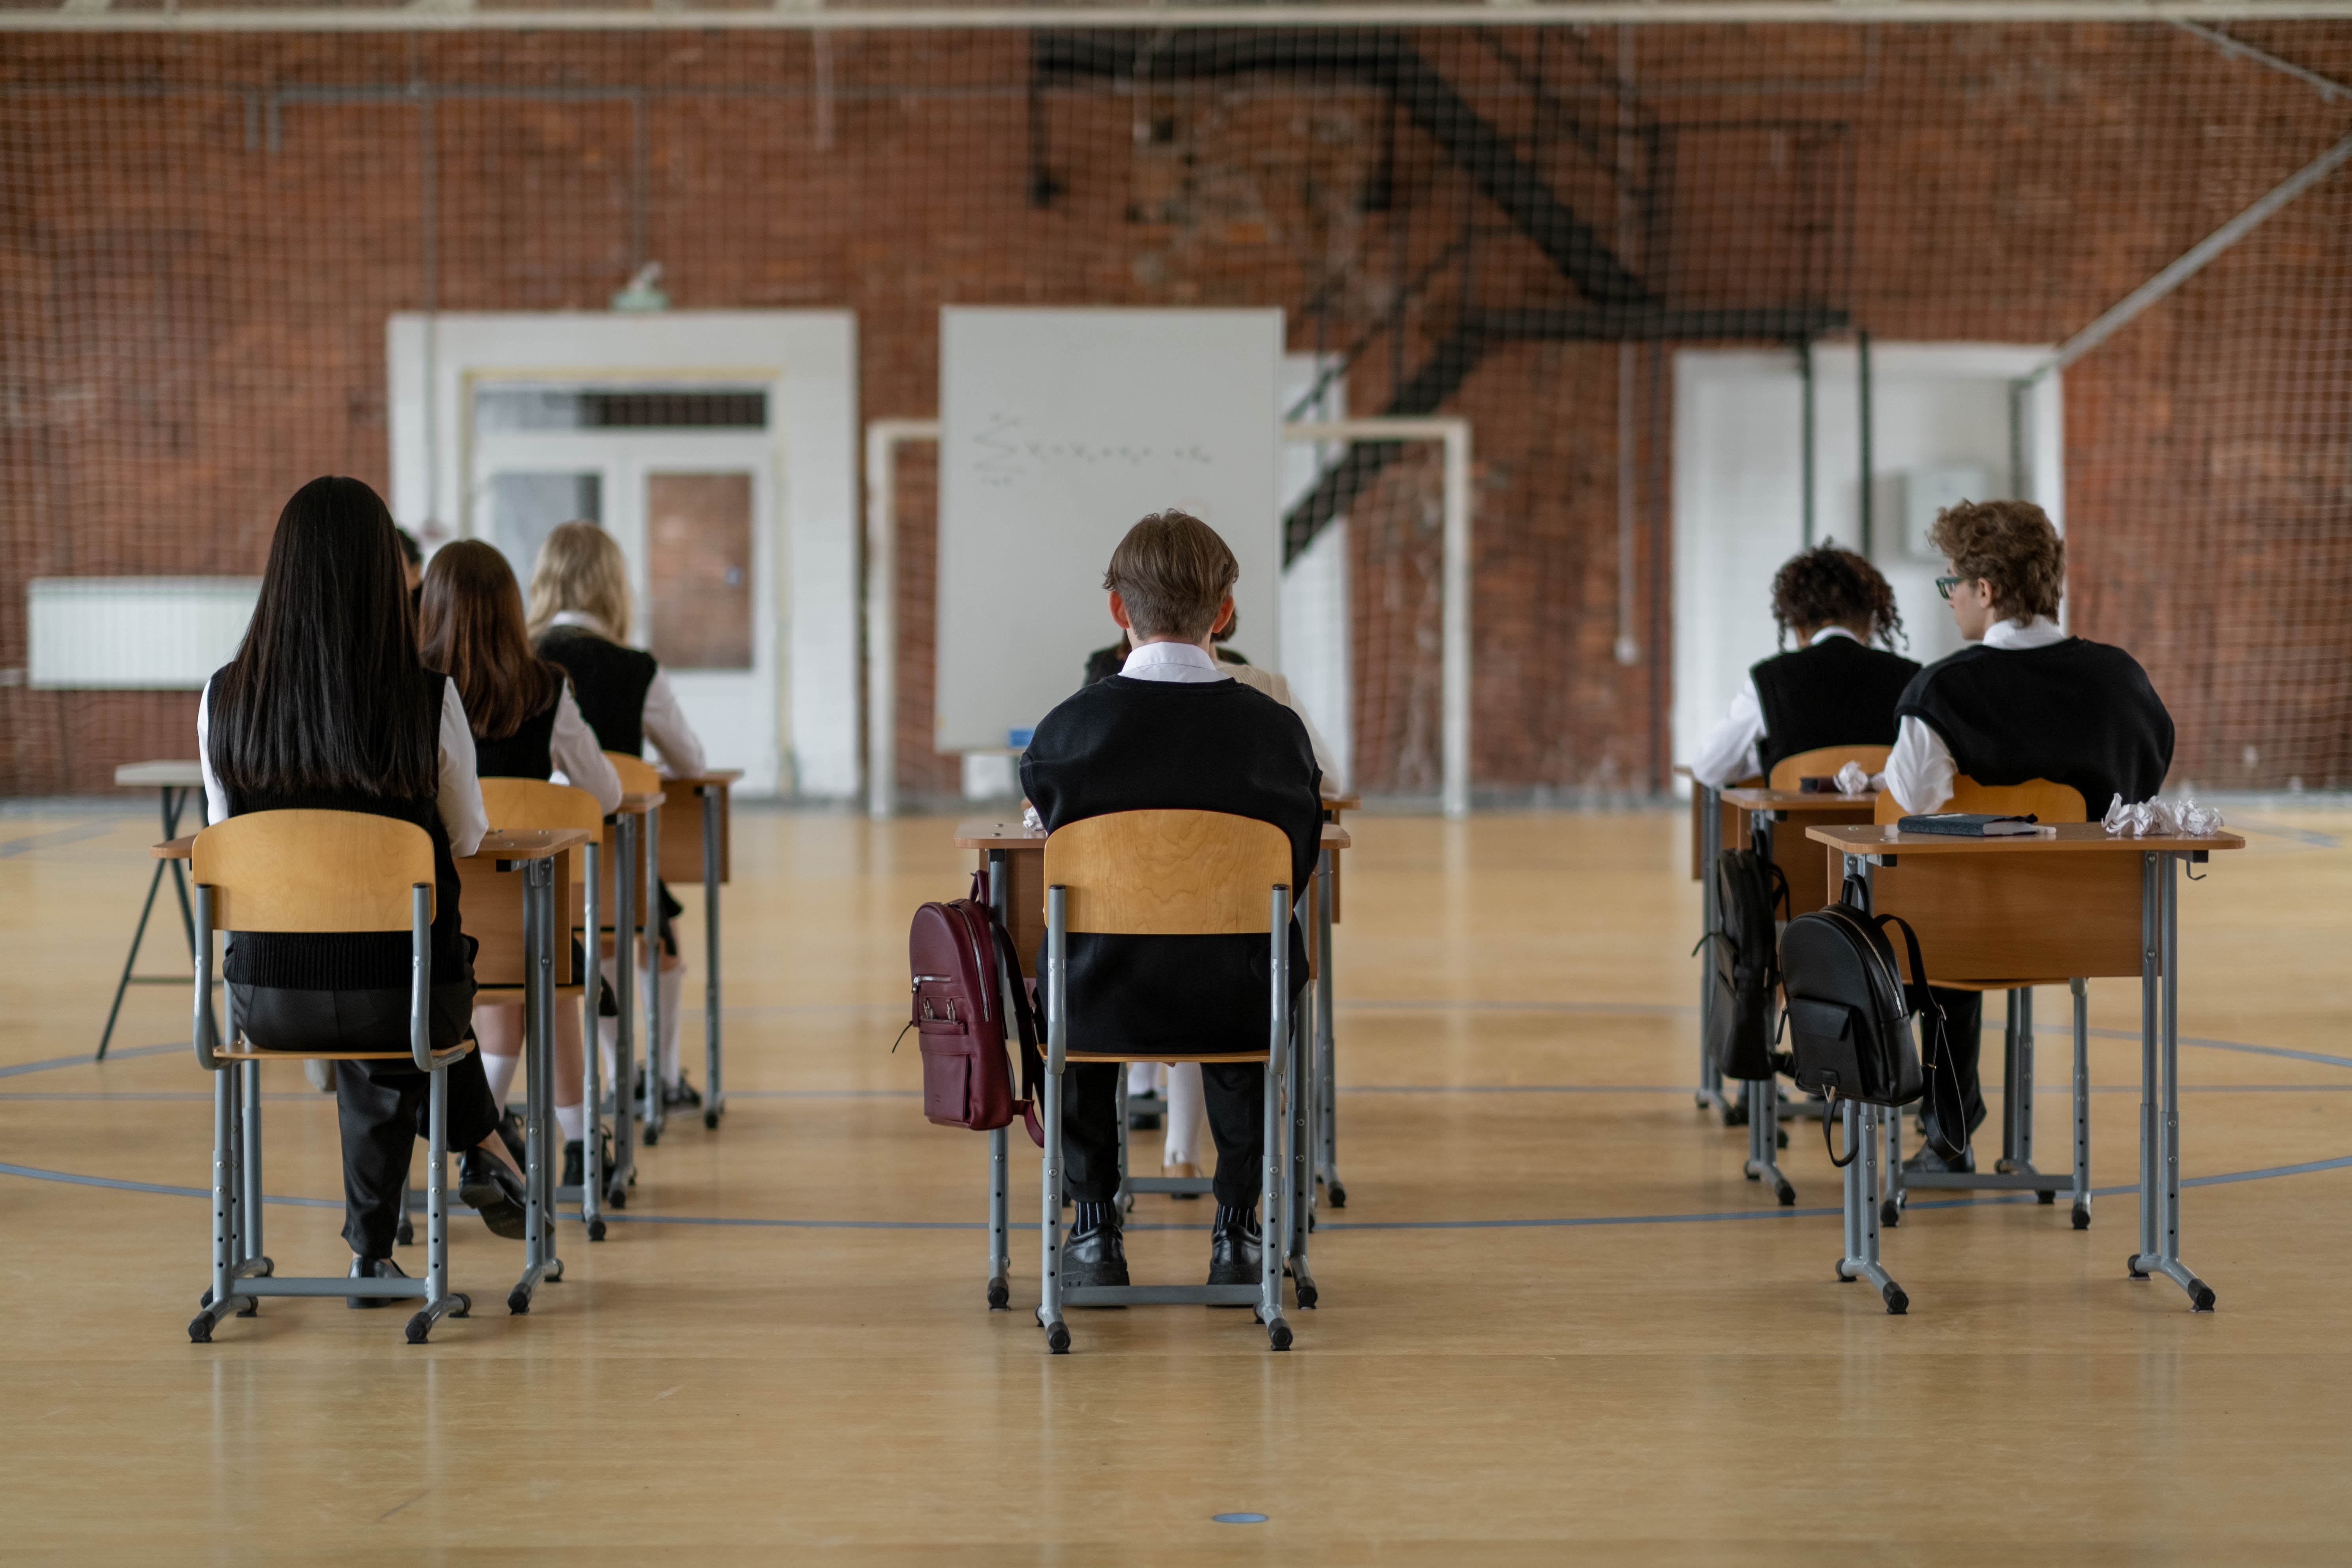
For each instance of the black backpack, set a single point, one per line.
(1741, 1028)
(1848, 1011)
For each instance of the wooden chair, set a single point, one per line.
(312, 872)
(2049, 802)
(1168, 873)
(1823, 762)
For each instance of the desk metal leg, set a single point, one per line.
(591, 1091)
(1710, 845)
(714, 1089)
(655, 924)
(1325, 1074)
(2159, 1157)
(1000, 1190)
(540, 1262)
(2082, 992)
(1764, 1136)
(1862, 1199)
(624, 984)
(2017, 1092)
(175, 798)
(1304, 1104)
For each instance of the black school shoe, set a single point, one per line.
(1931, 1161)
(511, 1134)
(680, 1093)
(1236, 1250)
(488, 1187)
(1096, 1256)
(376, 1268)
(575, 1160)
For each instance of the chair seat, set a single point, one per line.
(1163, 1056)
(459, 1049)
(1994, 985)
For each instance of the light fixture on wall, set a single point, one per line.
(643, 291)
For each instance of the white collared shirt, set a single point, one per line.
(1920, 769)
(1729, 753)
(458, 800)
(664, 722)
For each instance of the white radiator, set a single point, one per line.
(135, 634)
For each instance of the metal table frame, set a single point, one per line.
(175, 798)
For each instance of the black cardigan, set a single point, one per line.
(1835, 693)
(2076, 712)
(1140, 745)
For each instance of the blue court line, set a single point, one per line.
(62, 836)
(86, 1059)
(2316, 840)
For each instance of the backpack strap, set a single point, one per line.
(1025, 1020)
(1917, 995)
(1941, 1069)
(1828, 1114)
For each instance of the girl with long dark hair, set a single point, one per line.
(327, 707)
(527, 725)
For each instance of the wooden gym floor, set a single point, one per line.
(1558, 1326)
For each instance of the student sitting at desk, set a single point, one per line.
(580, 615)
(2027, 701)
(327, 708)
(1172, 730)
(1834, 690)
(1180, 1149)
(526, 726)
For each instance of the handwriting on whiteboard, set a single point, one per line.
(1008, 455)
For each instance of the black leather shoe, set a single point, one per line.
(511, 1134)
(680, 1093)
(376, 1268)
(488, 1187)
(1931, 1161)
(1236, 1254)
(575, 1164)
(1096, 1256)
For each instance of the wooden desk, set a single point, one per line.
(178, 782)
(701, 850)
(2070, 901)
(1749, 815)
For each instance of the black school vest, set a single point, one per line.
(1835, 693)
(2077, 713)
(357, 961)
(1133, 745)
(528, 753)
(609, 682)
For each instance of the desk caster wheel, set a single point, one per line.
(407, 1234)
(2200, 1295)
(2082, 1216)
(1277, 1335)
(1338, 1195)
(518, 1303)
(1840, 1274)
(1897, 1303)
(652, 1136)
(1781, 1141)
(710, 1120)
(1000, 1295)
(596, 1228)
(1058, 1338)
(2131, 1268)
(617, 1196)
(1788, 1196)
(419, 1328)
(199, 1331)
(2045, 1198)
(1735, 1115)
(1890, 1213)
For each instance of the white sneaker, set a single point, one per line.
(320, 1073)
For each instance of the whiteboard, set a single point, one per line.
(140, 634)
(1058, 429)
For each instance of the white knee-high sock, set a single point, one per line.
(572, 1120)
(1186, 1106)
(673, 992)
(1145, 1078)
(608, 1030)
(501, 1071)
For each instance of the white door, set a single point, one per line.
(683, 480)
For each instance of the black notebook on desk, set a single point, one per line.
(1969, 825)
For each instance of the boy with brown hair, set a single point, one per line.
(2024, 701)
(1171, 731)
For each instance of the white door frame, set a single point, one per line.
(807, 360)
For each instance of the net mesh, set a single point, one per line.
(201, 237)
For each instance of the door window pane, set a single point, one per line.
(526, 508)
(699, 569)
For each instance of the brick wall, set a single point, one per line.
(200, 239)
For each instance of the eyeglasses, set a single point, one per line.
(1945, 586)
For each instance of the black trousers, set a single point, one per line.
(380, 1107)
(1964, 1037)
(1236, 1093)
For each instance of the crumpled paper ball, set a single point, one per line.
(1852, 779)
(2161, 819)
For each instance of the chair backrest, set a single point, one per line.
(638, 776)
(1823, 761)
(2038, 798)
(1168, 873)
(312, 870)
(536, 805)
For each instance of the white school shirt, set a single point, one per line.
(1729, 752)
(1920, 770)
(664, 722)
(1185, 662)
(458, 798)
(579, 760)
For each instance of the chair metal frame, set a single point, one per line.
(241, 1271)
(1280, 1140)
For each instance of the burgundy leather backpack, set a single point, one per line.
(964, 972)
